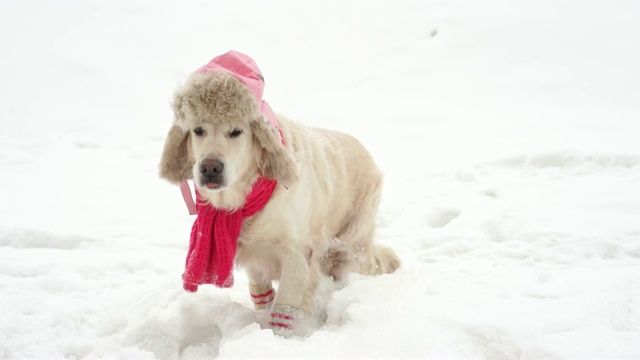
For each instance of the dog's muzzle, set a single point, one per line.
(212, 173)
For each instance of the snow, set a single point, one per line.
(507, 132)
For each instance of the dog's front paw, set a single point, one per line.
(282, 319)
(262, 296)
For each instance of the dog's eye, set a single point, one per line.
(235, 133)
(198, 131)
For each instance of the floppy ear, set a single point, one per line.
(277, 161)
(175, 164)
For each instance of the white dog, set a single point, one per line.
(320, 217)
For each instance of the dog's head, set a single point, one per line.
(220, 139)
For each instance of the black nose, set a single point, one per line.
(211, 167)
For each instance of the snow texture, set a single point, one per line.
(508, 132)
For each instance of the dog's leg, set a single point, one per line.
(262, 295)
(360, 253)
(261, 291)
(292, 300)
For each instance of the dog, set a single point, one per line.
(320, 217)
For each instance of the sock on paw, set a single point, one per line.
(261, 295)
(282, 319)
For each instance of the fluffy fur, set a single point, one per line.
(322, 218)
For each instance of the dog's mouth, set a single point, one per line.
(212, 186)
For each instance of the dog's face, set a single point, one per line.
(222, 154)
(221, 140)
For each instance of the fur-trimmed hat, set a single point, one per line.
(243, 68)
(229, 86)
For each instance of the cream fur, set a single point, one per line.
(321, 220)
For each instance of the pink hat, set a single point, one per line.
(246, 70)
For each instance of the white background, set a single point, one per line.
(508, 132)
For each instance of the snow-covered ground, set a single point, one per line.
(508, 132)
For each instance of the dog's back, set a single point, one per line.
(332, 207)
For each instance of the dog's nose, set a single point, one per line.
(211, 167)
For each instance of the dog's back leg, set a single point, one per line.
(358, 252)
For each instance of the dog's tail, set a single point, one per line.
(386, 260)
(375, 260)
(383, 260)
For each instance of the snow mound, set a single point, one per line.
(33, 238)
(572, 161)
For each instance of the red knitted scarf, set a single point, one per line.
(214, 238)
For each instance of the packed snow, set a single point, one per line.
(508, 132)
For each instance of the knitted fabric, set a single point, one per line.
(262, 295)
(214, 238)
(283, 318)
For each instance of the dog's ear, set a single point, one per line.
(176, 164)
(277, 161)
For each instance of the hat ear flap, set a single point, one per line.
(277, 161)
(176, 165)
